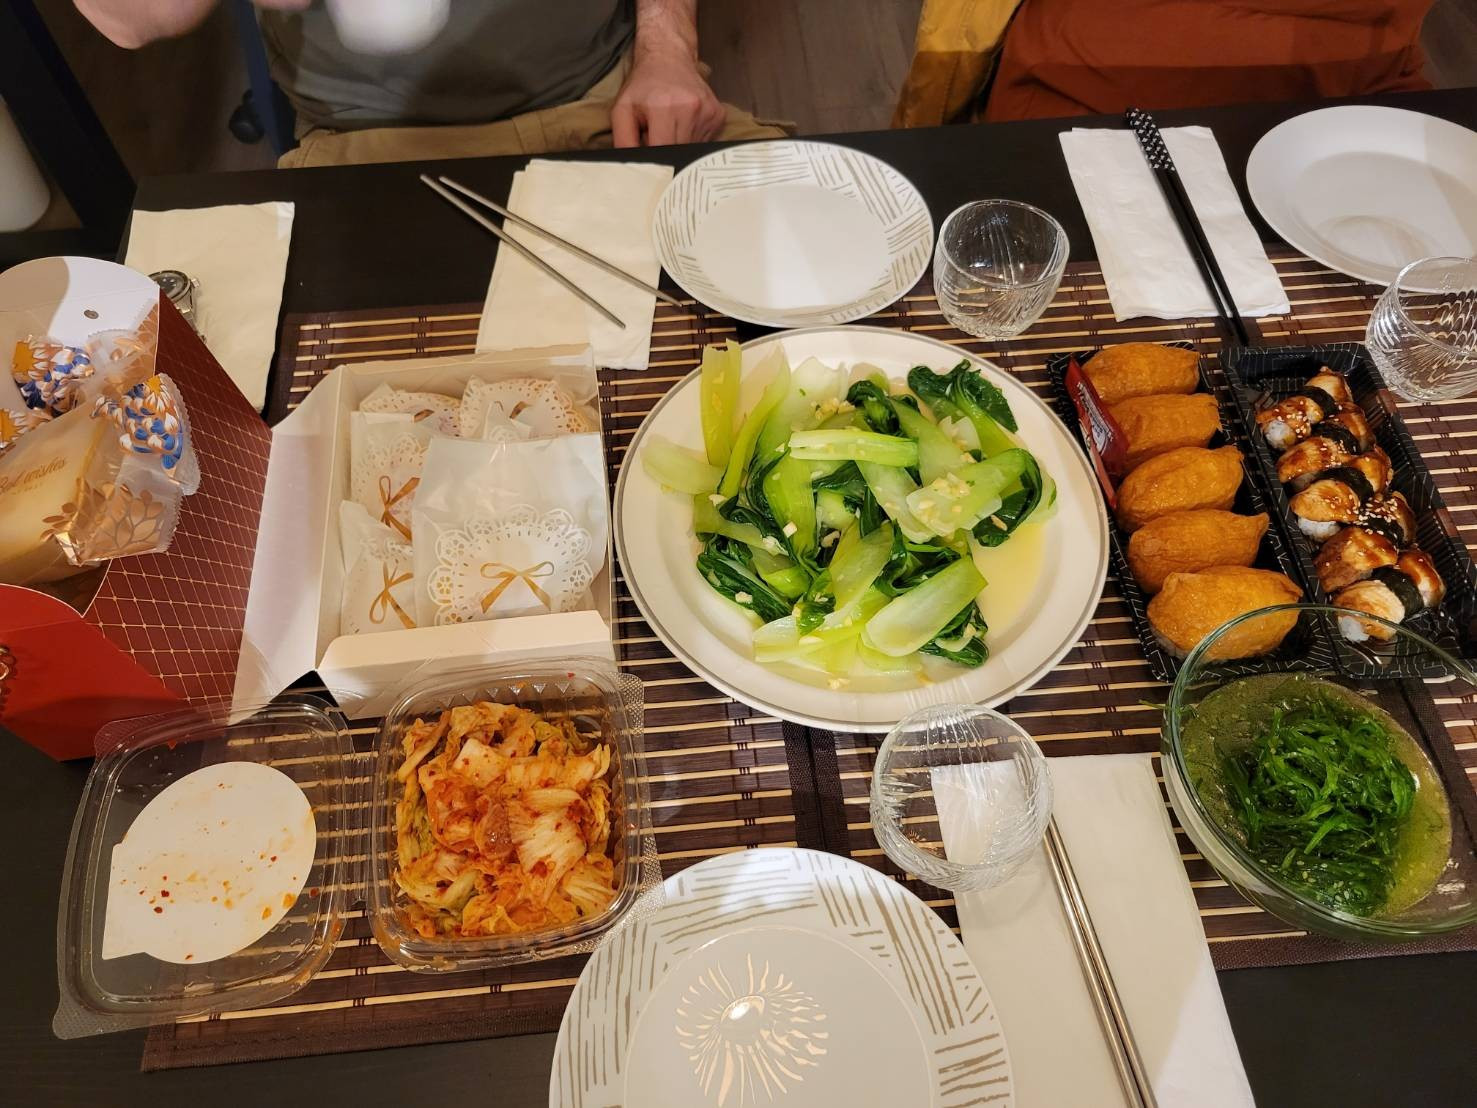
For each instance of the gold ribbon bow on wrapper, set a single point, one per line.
(505, 575)
(383, 604)
(388, 502)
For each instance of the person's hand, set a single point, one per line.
(665, 100)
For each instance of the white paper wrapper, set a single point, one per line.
(210, 865)
(508, 529)
(427, 407)
(386, 452)
(500, 411)
(379, 575)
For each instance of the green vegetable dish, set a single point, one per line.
(1324, 789)
(851, 515)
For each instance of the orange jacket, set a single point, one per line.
(958, 44)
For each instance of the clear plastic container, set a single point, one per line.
(604, 704)
(136, 761)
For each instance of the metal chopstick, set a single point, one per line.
(533, 258)
(578, 251)
(1133, 1075)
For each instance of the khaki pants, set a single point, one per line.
(583, 124)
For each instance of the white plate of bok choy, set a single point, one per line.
(841, 525)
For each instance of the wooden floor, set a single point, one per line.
(826, 65)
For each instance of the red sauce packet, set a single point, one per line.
(1107, 445)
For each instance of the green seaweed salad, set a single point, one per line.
(846, 513)
(1325, 789)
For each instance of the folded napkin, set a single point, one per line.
(238, 253)
(1145, 260)
(1112, 818)
(604, 207)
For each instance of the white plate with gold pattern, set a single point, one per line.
(785, 979)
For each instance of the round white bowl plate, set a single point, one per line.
(1050, 578)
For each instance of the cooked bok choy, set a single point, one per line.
(845, 515)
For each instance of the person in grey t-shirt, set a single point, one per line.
(494, 59)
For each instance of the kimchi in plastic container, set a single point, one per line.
(490, 792)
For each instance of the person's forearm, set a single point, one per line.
(667, 25)
(135, 23)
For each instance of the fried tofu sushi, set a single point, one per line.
(1179, 480)
(1154, 424)
(1192, 605)
(1142, 369)
(1183, 542)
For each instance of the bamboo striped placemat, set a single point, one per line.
(723, 777)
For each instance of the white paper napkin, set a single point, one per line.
(604, 207)
(1113, 820)
(1147, 264)
(238, 253)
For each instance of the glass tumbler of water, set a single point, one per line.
(961, 796)
(1423, 332)
(996, 266)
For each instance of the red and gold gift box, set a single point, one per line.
(143, 633)
(146, 632)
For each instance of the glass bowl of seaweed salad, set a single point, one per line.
(1338, 805)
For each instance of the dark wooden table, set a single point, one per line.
(1384, 1032)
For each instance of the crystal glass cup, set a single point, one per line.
(961, 796)
(996, 266)
(1423, 332)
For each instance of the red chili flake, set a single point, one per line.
(267, 912)
(157, 910)
(188, 957)
(163, 892)
(165, 877)
(274, 857)
(313, 892)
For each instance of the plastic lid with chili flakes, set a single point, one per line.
(197, 840)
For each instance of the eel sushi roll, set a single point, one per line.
(1390, 514)
(1351, 418)
(1352, 555)
(1392, 593)
(1334, 384)
(1299, 464)
(1334, 499)
(1293, 419)
(1290, 421)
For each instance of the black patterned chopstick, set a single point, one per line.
(1151, 142)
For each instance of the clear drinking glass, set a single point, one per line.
(1423, 332)
(996, 266)
(961, 796)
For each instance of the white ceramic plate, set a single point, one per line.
(793, 234)
(780, 978)
(1366, 190)
(1043, 593)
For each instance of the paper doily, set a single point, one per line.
(518, 563)
(385, 477)
(441, 412)
(542, 406)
